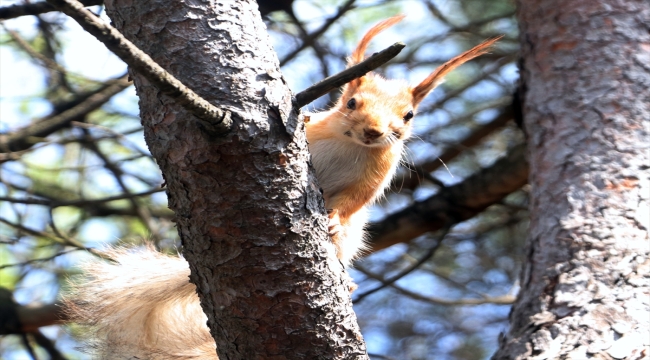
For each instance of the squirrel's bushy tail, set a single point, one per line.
(141, 306)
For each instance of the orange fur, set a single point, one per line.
(356, 149)
(433, 80)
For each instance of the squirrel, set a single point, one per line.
(355, 146)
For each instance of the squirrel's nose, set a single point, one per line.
(371, 134)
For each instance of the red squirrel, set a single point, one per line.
(355, 146)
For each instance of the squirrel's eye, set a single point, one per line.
(408, 116)
(352, 104)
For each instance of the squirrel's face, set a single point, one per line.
(378, 113)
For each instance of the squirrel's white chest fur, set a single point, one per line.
(339, 164)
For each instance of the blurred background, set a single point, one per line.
(76, 174)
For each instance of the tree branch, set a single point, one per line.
(56, 238)
(217, 120)
(142, 212)
(58, 196)
(31, 318)
(335, 81)
(455, 203)
(31, 261)
(308, 41)
(48, 345)
(80, 202)
(499, 300)
(44, 60)
(410, 269)
(26, 137)
(408, 181)
(14, 11)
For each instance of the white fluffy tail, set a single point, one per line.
(142, 306)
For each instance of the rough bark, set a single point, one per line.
(586, 283)
(248, 210)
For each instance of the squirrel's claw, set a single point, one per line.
(352, 286)
(335, 222)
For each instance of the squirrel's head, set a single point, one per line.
(379, 112)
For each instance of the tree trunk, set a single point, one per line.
(586, 282)
(248, 209)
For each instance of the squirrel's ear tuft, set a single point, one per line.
(422, 89)
(359, 53)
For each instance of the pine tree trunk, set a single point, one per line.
(586, 283)
(248, 210)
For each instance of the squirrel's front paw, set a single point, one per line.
(334, 227)
(335, 230)
(352, 286)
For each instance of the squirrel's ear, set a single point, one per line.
(350, 88)
(422, 89)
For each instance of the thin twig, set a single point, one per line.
(26, 137)
(318, 50)
(455, 203)
(57, 80)
(81, 202)
(62, 240)
(499, 300)
(410, 269)
(14, 11)
(308, 40)
(47, 344)
(142, 63)
(31, 261)
(45, 61)
(335, 81)
(116, 135)
(28, 346)
(372, 355)
(142, 212)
